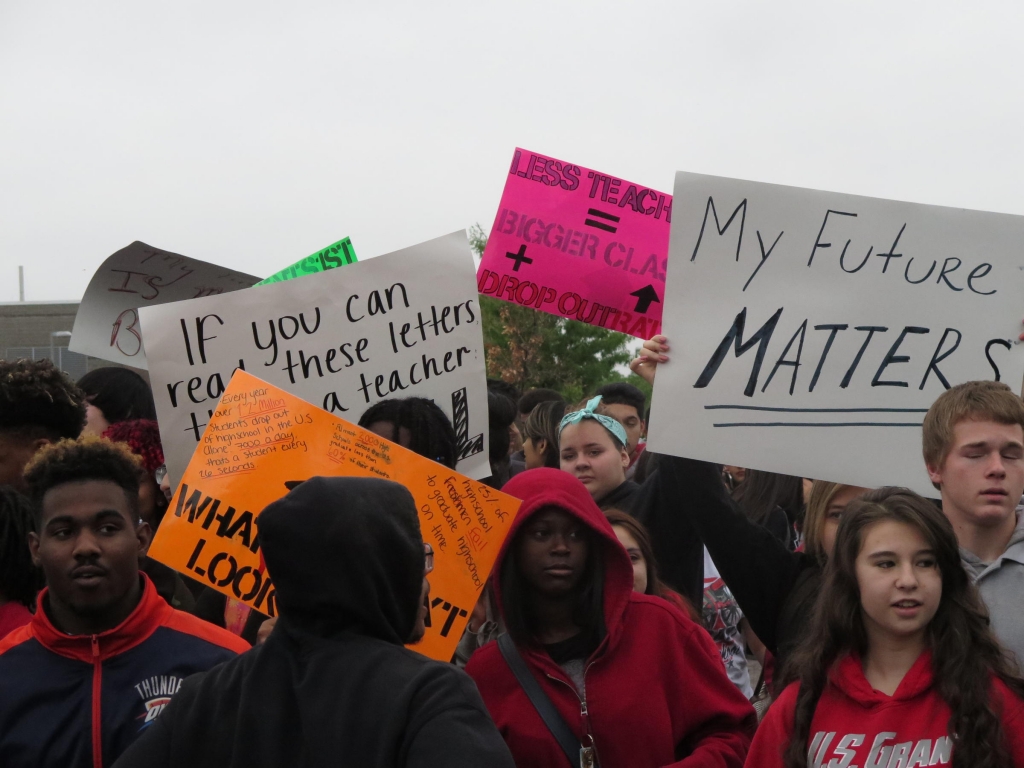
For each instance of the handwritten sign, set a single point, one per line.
(333, 256)
(579, 244)
(210, 532)
(812, 330)
(401, 325)
(139, 275)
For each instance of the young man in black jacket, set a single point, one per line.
(333, 684)
(103, 653)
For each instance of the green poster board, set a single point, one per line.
(333, 256)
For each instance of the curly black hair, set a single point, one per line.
(511, 391)
(85, 458)
(20, 581)
(38, 400)
(433, 435)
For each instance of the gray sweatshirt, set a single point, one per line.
(1001, 584)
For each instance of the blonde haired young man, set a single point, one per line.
(973, 445)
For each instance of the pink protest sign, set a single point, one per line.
(579, 244)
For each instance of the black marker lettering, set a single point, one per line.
(764, 256)
(710, 208)
(938, 358)
(856, 361)
(942, 275)
(988, 356)
(892, 358)
(980, 271)
(906, 273)
(892, 254)
(824, 353)
(735, 336)
(269, 344)
(801, 332)
(859, 267)
(817, 242)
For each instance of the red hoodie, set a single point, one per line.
(854, 724)
(656, 691)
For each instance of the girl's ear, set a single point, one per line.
(541, 445)
(624, 457)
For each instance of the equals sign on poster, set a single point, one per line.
(607, 225)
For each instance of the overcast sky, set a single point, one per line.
(251, 134)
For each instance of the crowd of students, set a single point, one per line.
(644, 609)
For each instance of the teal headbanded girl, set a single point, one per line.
(592, 448)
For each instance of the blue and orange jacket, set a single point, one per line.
(78, 701)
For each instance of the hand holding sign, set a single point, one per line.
(652, 353)
(210, 531)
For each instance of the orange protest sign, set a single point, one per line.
(260, 441)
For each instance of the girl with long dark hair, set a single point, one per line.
(899, 666)
(632, 679)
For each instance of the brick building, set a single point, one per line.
(37, 329)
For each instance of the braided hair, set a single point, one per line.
(432, 433)
(38, 400)
(20, 580)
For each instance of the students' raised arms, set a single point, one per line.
(775, 588)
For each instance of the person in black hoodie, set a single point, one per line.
(333, 684)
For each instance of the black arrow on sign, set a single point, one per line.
(644, 297)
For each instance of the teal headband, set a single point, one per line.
(588, 413)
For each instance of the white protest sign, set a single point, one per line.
(139, 275)
(811, 330)
(406, 324)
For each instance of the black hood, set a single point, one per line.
(345, 554)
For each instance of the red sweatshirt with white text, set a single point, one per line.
(855, 725)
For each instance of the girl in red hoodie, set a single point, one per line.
(899, 668)
(633, 679)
